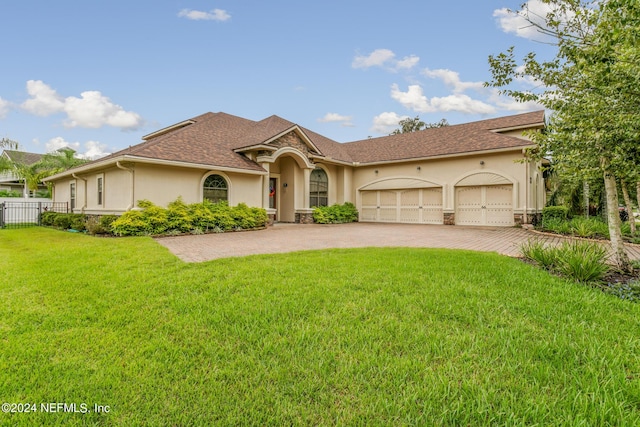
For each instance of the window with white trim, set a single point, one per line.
(72, 195)
(318, 188)
(215, 189)
(100, 189)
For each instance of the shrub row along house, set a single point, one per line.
(468, 174)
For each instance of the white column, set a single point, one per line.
(306, 186)
(265, 186)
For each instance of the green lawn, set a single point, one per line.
(348, 337)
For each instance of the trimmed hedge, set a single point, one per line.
(196, 218)
(555, 212)
(177, 218)
(335, 214)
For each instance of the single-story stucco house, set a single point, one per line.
(467, 174)
(10, 182)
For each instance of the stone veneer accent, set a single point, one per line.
(449, 218)
(518, 219)
(304, 218)
(291, 139)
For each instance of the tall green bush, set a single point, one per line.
(335, 214)
(554, 213)
(196, 218)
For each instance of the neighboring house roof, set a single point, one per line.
(217, 140)
(22, 156)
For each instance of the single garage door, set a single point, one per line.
(484, 205)
(415, 205)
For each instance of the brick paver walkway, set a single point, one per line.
(281, 238)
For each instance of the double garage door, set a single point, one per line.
(475, 205)
(415, 206)
(484, 205)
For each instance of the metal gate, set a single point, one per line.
(27, 214)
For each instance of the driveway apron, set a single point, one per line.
(281, 238)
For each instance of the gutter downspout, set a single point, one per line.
(525, 219)
(131, 204)
(84, 205)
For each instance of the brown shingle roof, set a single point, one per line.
(211, 138)
(449, 140)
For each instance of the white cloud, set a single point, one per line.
(408, 62)
(452, 79)
(94, 110)
(384, 58)
(346, 121)
(4, 108)
(377, 58)
(461, 104)
(509, 104)
(414, 99)
(92, 149)
(91, 110)
(44, 100)
(58, 142)
(197, 15)
(386, 122)
(518, 22)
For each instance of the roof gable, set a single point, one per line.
(22, 156)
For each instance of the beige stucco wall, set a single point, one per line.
(157, 183)
(449, 171)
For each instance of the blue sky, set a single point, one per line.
(98, 75)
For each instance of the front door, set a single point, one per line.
(273, 203)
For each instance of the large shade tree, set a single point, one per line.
(591, 88)
(414, 124)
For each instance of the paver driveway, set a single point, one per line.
(296, 237)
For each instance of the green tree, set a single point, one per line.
(591, 87)
(60, 161)
(9, 144)
(415, 124)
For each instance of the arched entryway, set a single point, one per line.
(286, 188)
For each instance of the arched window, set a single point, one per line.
(319, 188)
(215, 189)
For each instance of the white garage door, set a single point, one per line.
(484, 205)
(415, 206)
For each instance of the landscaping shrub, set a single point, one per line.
(243, 216)
(100, 224)
(556, 225)
(62, 221)
(550, 213)
(78, 222)
(10, 193)
(132, 223)
(584, 262)
(589, 227)
(545, 256)
(335, 214)
(221, 215)
(47, 218)
(180, 218)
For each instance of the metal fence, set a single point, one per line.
(27, 214)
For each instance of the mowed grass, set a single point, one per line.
(371, 336)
